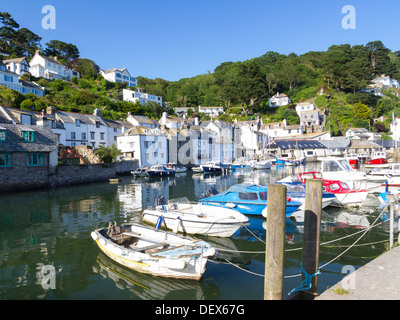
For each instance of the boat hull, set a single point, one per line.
(223, 226)
(178, 264)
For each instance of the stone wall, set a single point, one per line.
(20, 177)
(23, 177)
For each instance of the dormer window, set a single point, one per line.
(78, 122)
(28, 136)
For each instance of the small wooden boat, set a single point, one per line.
(179, 215)
(153, 251)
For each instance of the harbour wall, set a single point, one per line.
(23, 178)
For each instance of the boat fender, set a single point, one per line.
(230, 205)
(159, 222)
(264, 212)
(288, 199)
(210, 252)
(177, 224)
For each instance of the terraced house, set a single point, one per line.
(28, 156)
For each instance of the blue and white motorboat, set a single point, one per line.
(247, 199)
(291, 162)
(160, 170)
(241, 164)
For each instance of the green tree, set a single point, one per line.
(107, 154)
(361, 111)
(62, 50)
(7, 32)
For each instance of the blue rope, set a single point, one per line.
(306, 284)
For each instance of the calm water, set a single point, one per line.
(53, 227)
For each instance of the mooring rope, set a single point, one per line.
(373, 225)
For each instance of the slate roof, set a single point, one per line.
(300, 144)
(45, 139)
(336, 143)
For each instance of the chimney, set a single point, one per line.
(51, 110)
(55, 58)
(164, 118)
(37, 52)
(97, 113)
(42, 120)
(196, 121)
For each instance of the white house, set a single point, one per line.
(81, 129)
(281, 129)
(305, 106)
(212, 111)
(119, 75)
(278, 100)
(18, 66)
(12, 81)
(50, 68)
(141, 97)
(385, 81)
(149, 146)
(253, 141)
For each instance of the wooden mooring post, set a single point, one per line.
(275, 240)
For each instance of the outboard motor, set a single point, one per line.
(209, 193)
(160, 201)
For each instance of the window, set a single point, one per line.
(118, 75)
(3, 135)
(78, 123)
(263, 195)
(73, 135)
(28, 136)
(97, 124)
(101, 135)
(5, 160)
(248, 196)
(92, 135)
(83, 135)
(35, 159)
(8, 78)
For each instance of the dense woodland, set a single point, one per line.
(243, 88)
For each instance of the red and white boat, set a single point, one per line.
(378, 159)
(345, 196)
(353, 160)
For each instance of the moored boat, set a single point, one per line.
(247, 199)
(176, 168)
(179, 215)
(140, 172)
(160, 171)
(262, 165)
(155, 252)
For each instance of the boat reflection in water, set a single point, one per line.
(147, 287)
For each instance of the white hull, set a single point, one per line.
(262, 166)
(174, 262)
(199, 219)
(351, 198)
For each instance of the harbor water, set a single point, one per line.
(52, 228)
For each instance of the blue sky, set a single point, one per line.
(174, 39)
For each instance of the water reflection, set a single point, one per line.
(53, 227)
